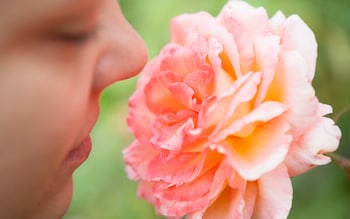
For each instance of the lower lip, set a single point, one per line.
(79, 154)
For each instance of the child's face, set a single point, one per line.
(55, 58)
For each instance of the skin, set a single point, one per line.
(56, 57)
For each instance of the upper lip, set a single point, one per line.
(88, 126)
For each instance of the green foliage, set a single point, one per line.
(102, 189)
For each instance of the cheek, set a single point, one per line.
(44, 111)
(41, 116)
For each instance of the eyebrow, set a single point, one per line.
(27, 15)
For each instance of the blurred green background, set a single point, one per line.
(102, 190)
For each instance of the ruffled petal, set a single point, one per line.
(202, 84)
(138, 111)
(137, 157)
(254, 156)
(189, 26)
(266, 45)
(309, 150)
(179, 200)
(218, 110)
(171, 137)
(158, 97)
(183, 168)
(244, 126)
(181, 60)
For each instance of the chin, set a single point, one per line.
(55, 206)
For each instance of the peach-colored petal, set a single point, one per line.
(184, 94)
(250, 197)
(237, 201)
(228, 52)
(243, 126)
(145, 191)
(181, 60)
(138, 111)
(138, 157)
(222, 175)
(157, 91)
(223, 79)
(192, 23)
(297, 36)
(274, 195)
(184, 24)
(221, 207)
(308, 151)
(266, 44)
(202, 84)
(292, 87)
(172, 137)
(217, 109)
(148, 72)
(242, 39)
(258, 154)
(227, 201)
(182, 168)
(178, 200)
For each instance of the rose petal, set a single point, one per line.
(274, 195)
(180, 169)
(258, 154)
(308, 151)
(184, 94)
(234, 202)
(221, 207)
(250, 197)
(218, 110)
(242, 39)
(223, 79)
(291, 86)
(242, 127)
(277, 21)
(138, 111)
(297, 36)
(266, 44)
(158, 97)
(190, 24)
(181, 60)
(137, 157)
(145, 191)
(171, 137)
(183, 25)
(176, 201)
(202, 83)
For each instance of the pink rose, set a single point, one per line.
(226, 114)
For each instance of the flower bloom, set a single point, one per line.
(226, 114)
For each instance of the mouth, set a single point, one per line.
(79, 153)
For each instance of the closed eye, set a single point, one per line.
(77, 37)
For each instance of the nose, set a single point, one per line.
(123, 53)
